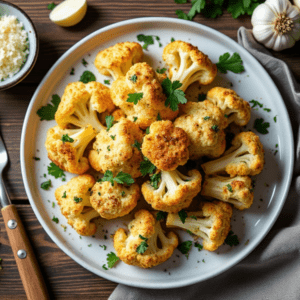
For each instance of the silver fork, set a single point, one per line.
(29, 270)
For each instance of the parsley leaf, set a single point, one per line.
(51, 6)
(174, 96)
(161, 215)
(233, 63)
(255, 103)
(124, 178)
(236, 8)
(232, 239)
(135, 97)
(197, 6)
(87, 76)
(146, 166)
(137, 145)
(185, 247)
(199, 246)
(146, 39)
(108, 176)
(55, 171)
(182, 215)
(112, 258)
(48, 112)
(182, 15)
(161, 71)
(229, 187)
(66, 138)
(109, 122)
(77, 199)
(155, 179)
(261, 126)
(143, 245)
(64, 194)
(106, 81)
(46, 185)
(55, 220)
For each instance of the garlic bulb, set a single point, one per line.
(276, 24)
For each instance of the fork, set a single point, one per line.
(31, 276)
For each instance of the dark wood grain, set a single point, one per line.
(65, 278)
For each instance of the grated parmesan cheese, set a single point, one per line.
(13, 46)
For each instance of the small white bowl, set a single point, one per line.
(11, 9)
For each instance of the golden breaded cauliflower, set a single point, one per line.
(174, 192)
(188, 64)
(74, 201)
(114, 201)
(81, 103)
(234, 107)
(235, 190)
(115, 61)
(212, 223)
(66, 147)
(116, 150)
(204, 124)
(146, 245)
(244, 157)
(166, 146)
(142, 81)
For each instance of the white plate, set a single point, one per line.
(251, 226)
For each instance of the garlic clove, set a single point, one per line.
(294, 13)
(262, 15)
(278, 6)
(283, 42)
(263, 33)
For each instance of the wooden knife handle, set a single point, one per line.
(29, 270)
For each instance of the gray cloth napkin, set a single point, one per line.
(272, 270)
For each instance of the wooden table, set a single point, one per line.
(64, 277)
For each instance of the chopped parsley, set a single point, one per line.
(72, 72)
(84, 62)
(174, 96)
(215, 128)
(109, 122)
(53, 204)
(121, 178)
(87, 76)
(54, 219)
(64, 194)
(36, 158)
(143, 245)
(146, 167)
(104, 267)
(155, 179)
(108, 148)
(232, 239)
(48, 112)
(113, 137)
(103, 246)
(275, 119)
(199, 246)
(233, 63)
(133, 78)
(122, 193)
(185, 247)
(134, 119)
(255, 103)
(135, 97)
(147, 40)
(229, 187)
(161, 71)
(148, 130)
(90, 245)
(193, 217)
(206, 118)
(137, 145)
(77, 199)
(51, 6)
(267, 109)
(172, 40)
(261, 126)
(55, 171)
(106, 81)
(182, 215)
(66, 138)
(161, 215)
(158, 118)
(46, 185)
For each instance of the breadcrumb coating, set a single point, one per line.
(114, 150)
(141, 79)
(115, 61)
(188, 64)
(166, 146)
(204, 124)
(114, 201)
(212, 223)
(146, 226)
(74, 201)
(235, 108)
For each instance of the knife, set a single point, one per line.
(31, 276)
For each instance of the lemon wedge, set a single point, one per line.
(69, 12)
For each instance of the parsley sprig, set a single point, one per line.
(48, 111)
(121, 178)
(232, 63)
(87, 76)
(135, 97)
(174, 96)
(146, 166)
(55, 171)
(142, 247)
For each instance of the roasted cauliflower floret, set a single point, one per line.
(66, 147)
(166, 146)
(188, 64)
(115, 61)
(211, 223)
(244, 157)
(141, 85)
(174, 192)
(118, 149)
(146, 245)
(81, 103)
(204, 124)
(74, 201)
(114, 201)
(235, 109)
(235, 190)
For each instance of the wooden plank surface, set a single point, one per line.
(64, 277)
